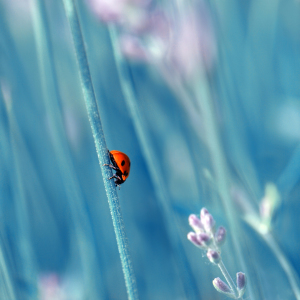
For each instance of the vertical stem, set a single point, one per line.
(189, 284)
(101, 148)
(81, 224)
(202, 94)
(7, 290)
(7, 287)
(228, 278)
(290, 175)
(26, 262)
(287, 267)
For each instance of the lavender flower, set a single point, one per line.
(221, 286)
(193, 44)
(130, 14)
(213, 256)
(205, 238)
(241, 282)
(180, 43)
(220, 236)
(195, 223)
(133, 48)
(203, 212)
(192, 236)
(268, 205)
(207, 220)
(108, 10)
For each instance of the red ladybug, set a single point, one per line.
(121, 164)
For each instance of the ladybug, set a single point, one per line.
(121, 164)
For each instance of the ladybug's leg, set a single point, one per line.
(113, 161)
(115, 176)
(118, 179)
(111, 166)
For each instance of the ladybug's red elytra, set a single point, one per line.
(121, 164)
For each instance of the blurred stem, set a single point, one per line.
(183, 96)
(254, 220)
(201, 91)
(81, 222)
(287, 267)
(126, 82)
(101, 148)
(228, 278)
(284, 262)
(221, 173)
(220, 170)
(26, 261)
(7, 291)
(6, 283)
(290, 175)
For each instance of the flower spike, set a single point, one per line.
(207, 239)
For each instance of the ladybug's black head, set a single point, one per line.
(118, 179)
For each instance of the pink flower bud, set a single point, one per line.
(195, 223)
(208, 222)
(108, 10)
(204, 239)
(203, 212)
(222, 287)
(241, 282)
(213, 256)
(132, 47)
(220, 236)
(192, 236)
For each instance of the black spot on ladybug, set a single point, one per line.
(123, 163)
(125, 173)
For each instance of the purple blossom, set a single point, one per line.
(193, 44)
(132, 48)
(220, 236)
(241, 282)
(207, 220)
(203, 212)
(221, 286)
(182, 42)
(195, 223)
(130, 14)
(213, 256)
(204, 239)
(108, 10)
(192, 236)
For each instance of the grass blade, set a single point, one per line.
(101, 148)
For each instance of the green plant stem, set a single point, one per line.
(287, 267)
(101, 148)
(190, 287)
(201, 91)
(7, 291)
(255, 222)
(83, 232)
(26, 261)
(6, 283)
(228, 278)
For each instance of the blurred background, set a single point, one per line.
(203, 96)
